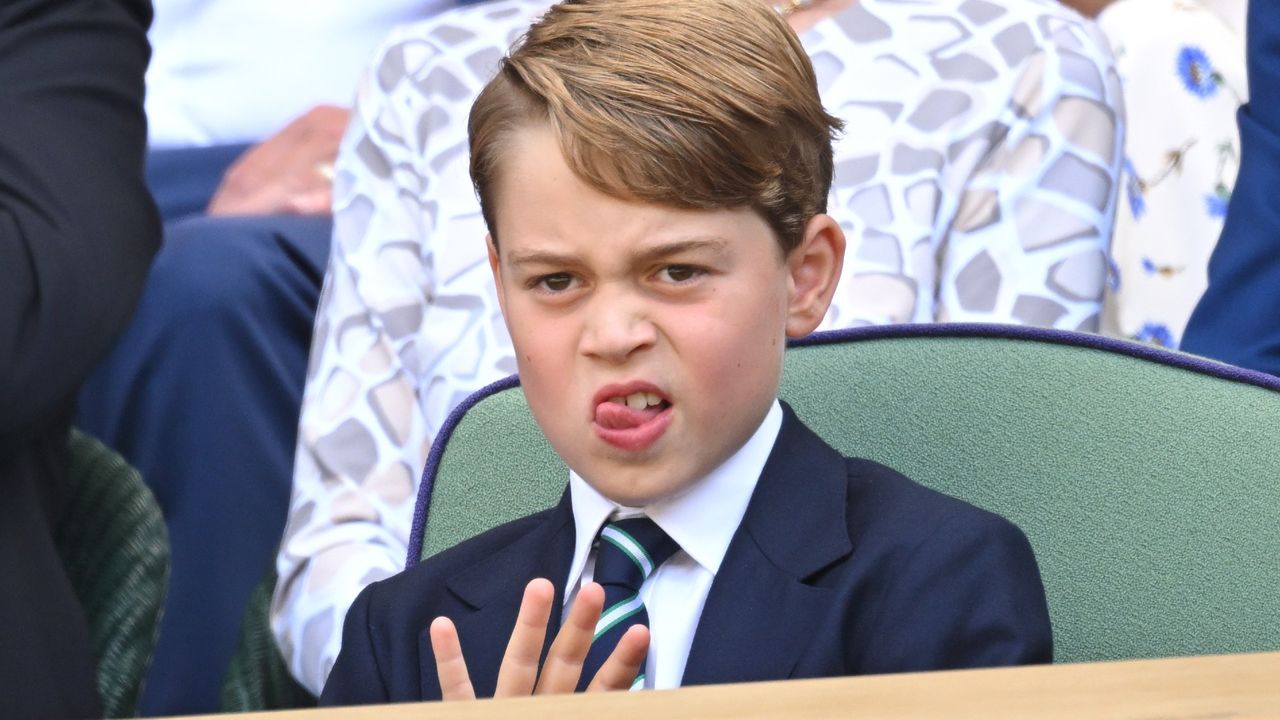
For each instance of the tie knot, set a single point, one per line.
(629, 552)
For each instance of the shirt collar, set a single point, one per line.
(702, 520)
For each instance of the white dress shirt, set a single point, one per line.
(702, 521)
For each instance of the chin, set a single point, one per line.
(631, 497)
(629, 480)
(636, 492)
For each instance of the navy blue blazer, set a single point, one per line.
(840, 567)
(1238, 318)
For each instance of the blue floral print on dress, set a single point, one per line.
(1197, 73)
(1216, 202)
(1133, 191)
(1157, 334)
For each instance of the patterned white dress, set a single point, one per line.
(976, 181)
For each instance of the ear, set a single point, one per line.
(813, 269)
(495, 266)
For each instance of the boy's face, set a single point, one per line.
(649, 339)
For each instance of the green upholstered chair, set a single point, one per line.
(112, 539)
(1147, 481)
(258, 678)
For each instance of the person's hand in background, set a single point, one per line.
(289, 172)
(1088, 8)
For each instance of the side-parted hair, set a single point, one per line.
(703, 104)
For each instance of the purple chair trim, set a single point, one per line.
(1150, 353)
(417, 533)
(1181, 361)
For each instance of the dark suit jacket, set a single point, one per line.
(1238, 318)
(840, 567)
(77, 232)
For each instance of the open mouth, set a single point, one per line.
(632, 420)
(638, 405)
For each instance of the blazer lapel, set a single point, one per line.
(760, 614)
(491, 592)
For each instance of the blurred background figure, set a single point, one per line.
(1238, 318)
(1183, 67)
(247, 103)
(77, 232)
(976, 181)
(1088, 8)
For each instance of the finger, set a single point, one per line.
(232, 203)
(564, 661)
(320, 129)
(247, 193)
(626, 661)
(519, 670)
(314, 202)
(451, 667)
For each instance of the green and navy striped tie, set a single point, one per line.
(628, 553)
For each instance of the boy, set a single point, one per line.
(654, 177)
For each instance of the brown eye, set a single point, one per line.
(681, 273)
(555, 283)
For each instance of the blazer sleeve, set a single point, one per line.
(1238, 318)
(356, 677)
(970, 595)
(77, 225)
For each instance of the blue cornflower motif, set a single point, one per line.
(1149, 267)
(1216, 202)
(1216, 205)
(1133, 191)
(1157, 334)
(1197, 72)
(1113, 274)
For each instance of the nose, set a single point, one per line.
(618, 326)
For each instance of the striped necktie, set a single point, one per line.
(628, 553)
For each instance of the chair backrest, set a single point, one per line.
(1147, 481)
(258, 678)
(113, 541)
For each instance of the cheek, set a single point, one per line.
(535, 340)
(528, 323)
(536, 352)
(546, 370)
(740, 338)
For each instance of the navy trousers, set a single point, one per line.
(202, 395)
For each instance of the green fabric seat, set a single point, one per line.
(258, 678)
(113, 541)
(1147, 481)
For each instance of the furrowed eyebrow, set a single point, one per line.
(538, 257)
(647, 255)
(676, 247)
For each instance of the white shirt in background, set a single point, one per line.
(231, 71)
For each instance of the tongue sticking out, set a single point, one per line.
(613, 416)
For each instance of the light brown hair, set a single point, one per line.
(704, 104)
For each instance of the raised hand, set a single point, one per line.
(519, 673)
